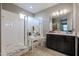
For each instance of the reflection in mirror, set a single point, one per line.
(62, 21)
(34, 26)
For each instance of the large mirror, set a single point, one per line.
(62, 21)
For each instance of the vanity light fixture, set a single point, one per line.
(54, 14)
(65, 11)
(57, 13)
(61, 12)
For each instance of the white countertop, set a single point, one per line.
(73, 34)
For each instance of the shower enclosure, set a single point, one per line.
(16, 29)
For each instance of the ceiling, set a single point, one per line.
(35, 7)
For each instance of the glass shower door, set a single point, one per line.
(27, 32)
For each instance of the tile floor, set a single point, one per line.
(42, 51)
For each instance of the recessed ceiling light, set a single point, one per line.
(30, 7)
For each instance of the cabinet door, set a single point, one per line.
(70, 45)
(48, 42)
(51, 41)
(60, 43)
(78, 47)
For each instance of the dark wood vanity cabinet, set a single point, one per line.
(62, 43)
(78, 47)
(69, 45)
(51, 43)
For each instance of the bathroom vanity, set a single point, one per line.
(63, 43)
(61, 36)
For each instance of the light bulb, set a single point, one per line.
(57, 13)
(61, 12)
(54, 14)
(65, 11)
